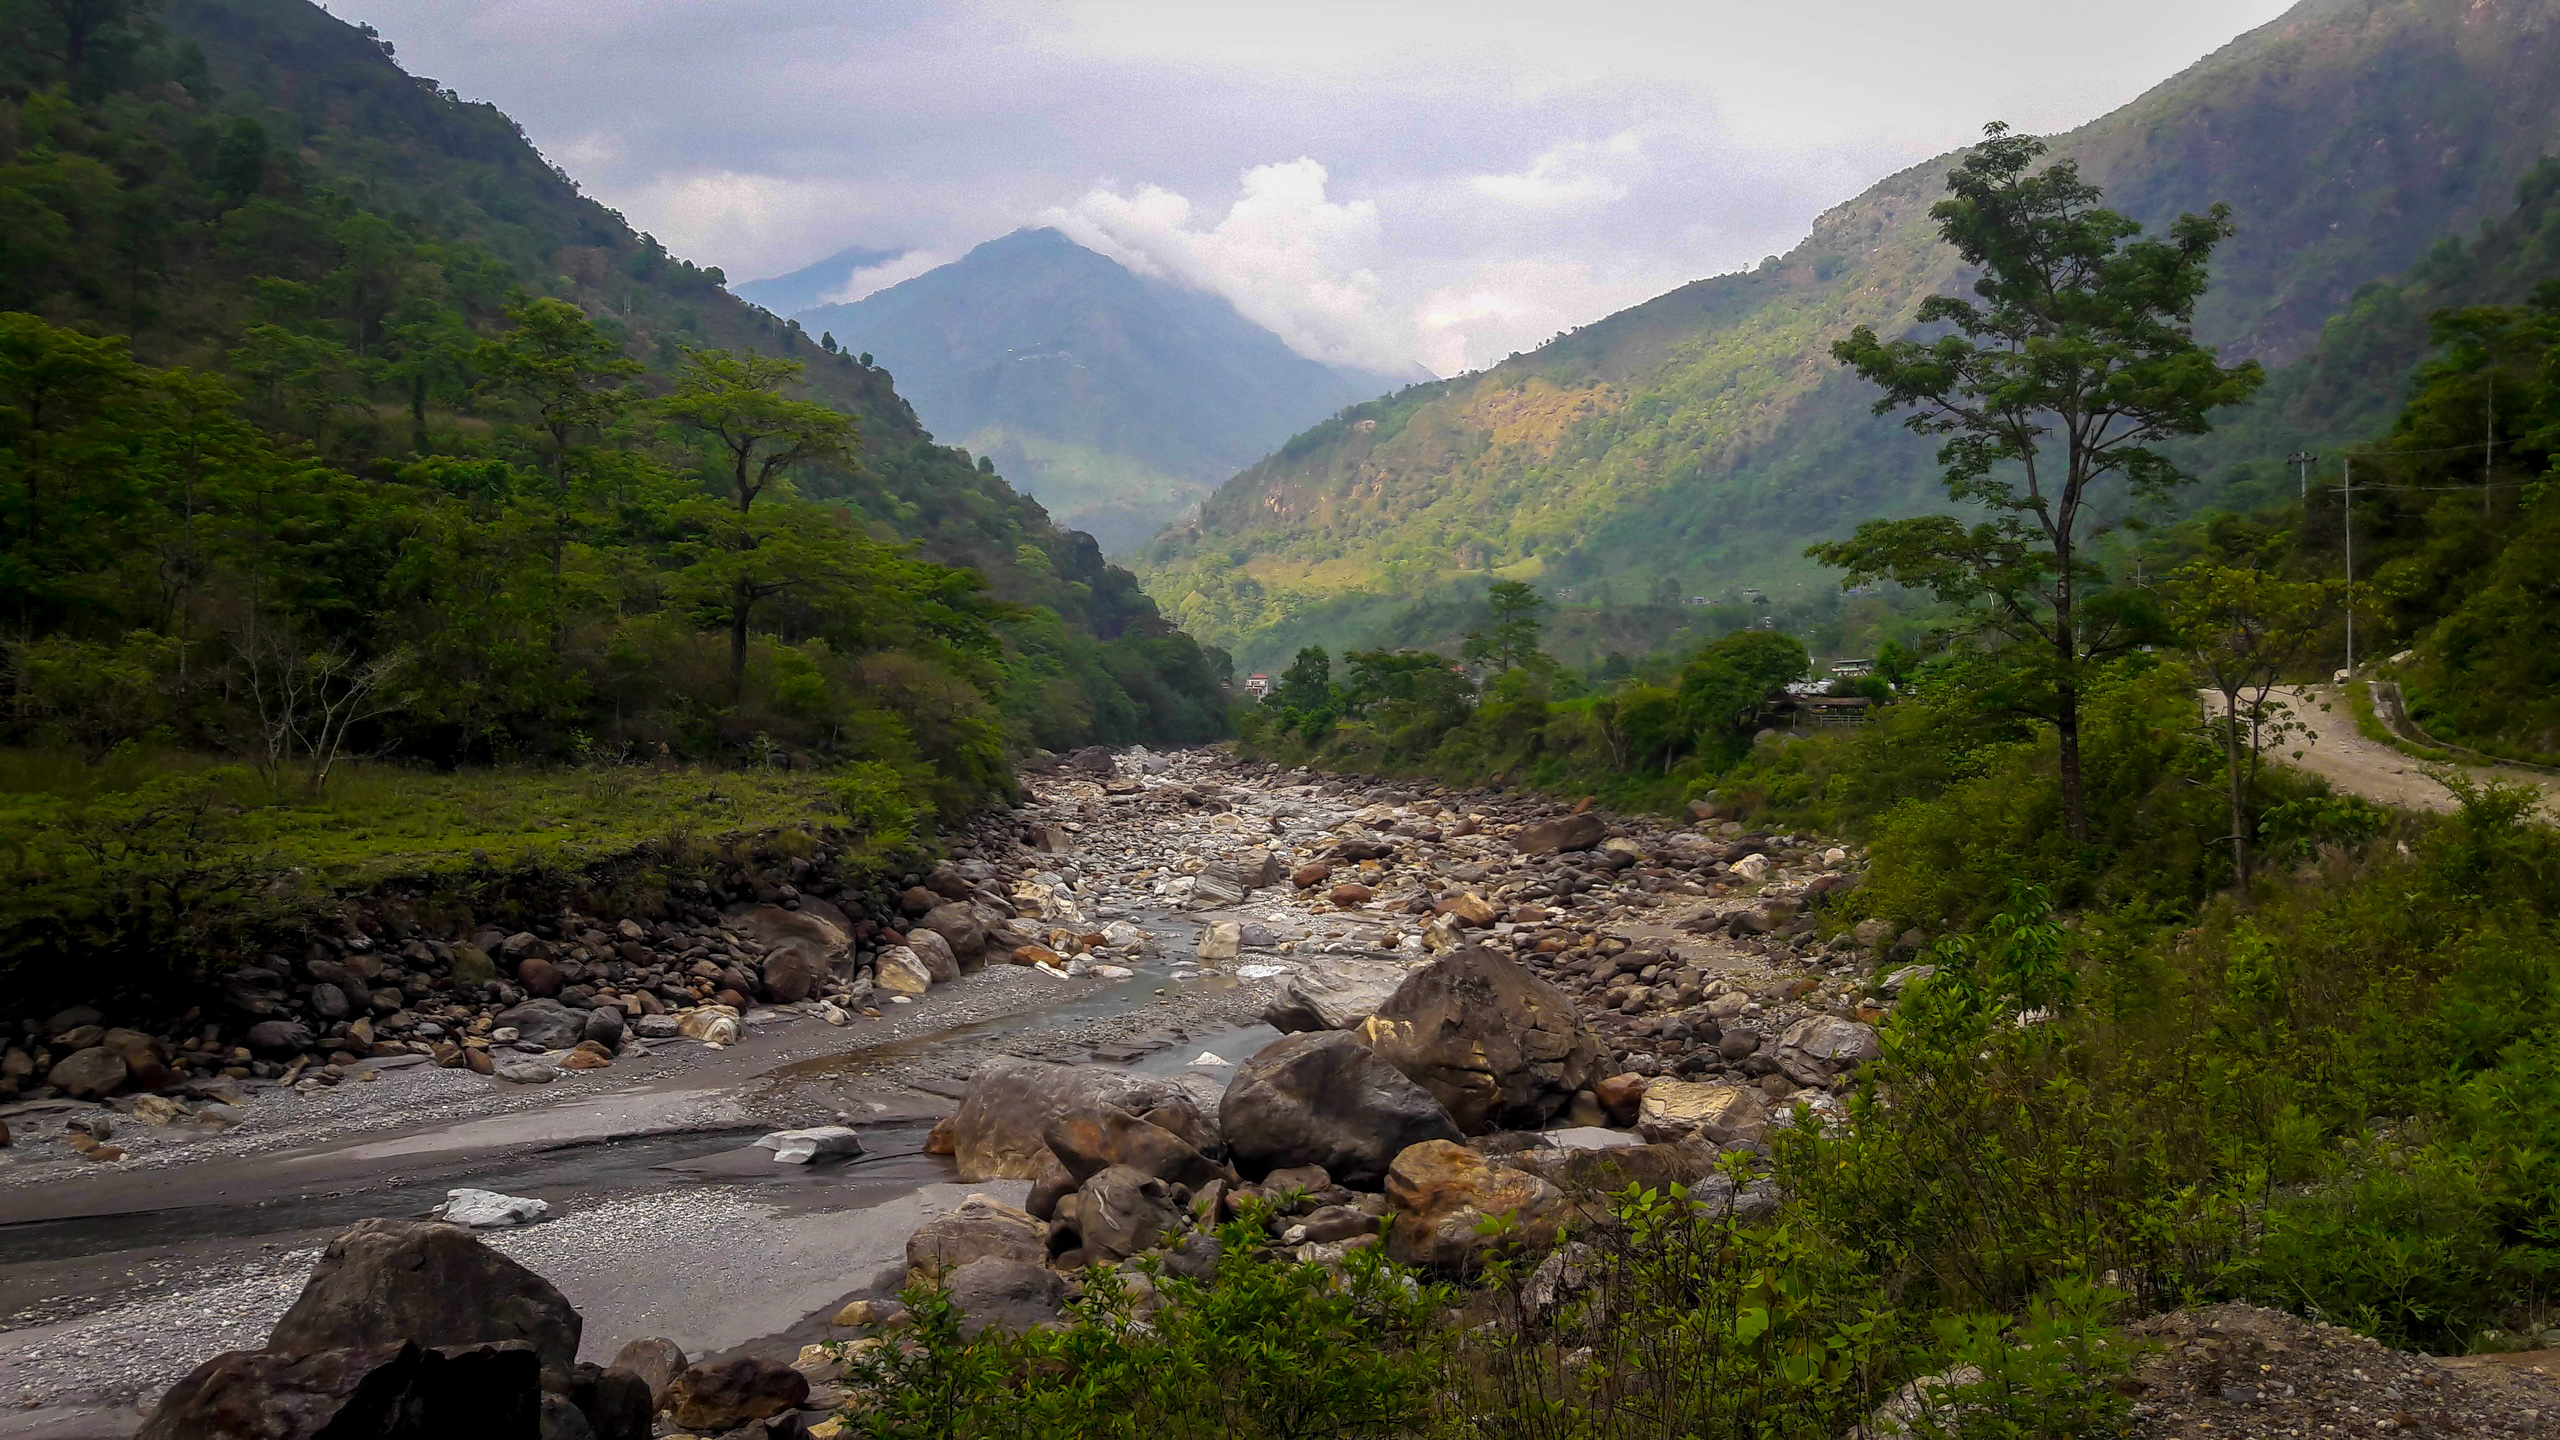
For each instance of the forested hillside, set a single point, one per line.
(1704, 437)
(329, 409)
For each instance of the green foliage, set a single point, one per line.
(2053, 1375)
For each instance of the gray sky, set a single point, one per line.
(1380, 182)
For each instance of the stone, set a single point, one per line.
(1752, 868)
(976, 1228)
(1007, 1295)
(157, 1110)
(1331, 994)
(1324, 1098)
(1087, 1142)
(1221, 941)
(1255, 869)
(382, 1281)
(901, 971)
(91, 1074)
(1441, 1193)
(546, 1023)
(960, 928)
(1600, 1173)
(1093, 760)
(603, 1027)
(616, 1404)
(721, 1395)
(1000, 1131)
(1568, 832)
(279, 1037)
(472, 967)
(1351, 895)
(329, 1002)
(1725, 1114)
(395, 1391)
(539, 977)
(1216, 886)
(815, 1145)
(73, 1018)
(489, 1210)
(1620, 1097)
(1118, 1213)
(1470, 910)
(1308, 877)
(525, 1070)
(1498, 1046)
(1328, 1223)
(1623, 851)
(1053, 1184)
(936, 954)
(710, 1024)
(1842, 1043)
(657, 1361)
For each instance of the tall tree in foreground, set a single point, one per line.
(2076, 358)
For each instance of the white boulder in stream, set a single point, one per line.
(823, 1142)
(489, 1210)
(1223, 940)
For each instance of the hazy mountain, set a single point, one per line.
(1706, 436)
(811, 285)
(1119, 400)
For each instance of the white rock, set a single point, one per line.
(823, 1142)
(1221, 941)
(1111, 972)
(524, 1070)
(830, 1012)
(1212, 1057)
(902, 971)
(1260, 972)
(1752, 867)
(488, 1210)
(1834, 858)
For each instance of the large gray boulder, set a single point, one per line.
(1088, 1142)
(960, 927)
(384, 1281)
(546, 1023)
(975, 1229)
(1332, 995)
(936, 954)
(1501, 1048)
(1566, 832)
(804, 949)
(1326, 1099)
(398, 1391)
(1000, 1132)
(1118, 1213)
(1008, 1295)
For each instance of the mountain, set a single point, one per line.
(1118, 399)
(251, 196)
(812, 285)
(1701, 439)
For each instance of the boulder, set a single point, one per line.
(1326, 1099)
(1620, 1097)
(603, 1026)
(395, 1391)
(546, 1023)
(901, 971)
(525, 1070)
(1498, 1046)
(539, 977)
(818, 1143)
(977, 1228)
(488, 1210)
(1441, 1193)
(1602, 1173)
(1216, 886)
(1007, 1295)
(91, 1074)
(616, 1404)
(960, 928)
(1350, 895)
(472, 967)
(1725, 1114)
(721, 1395)
(1221, 941)
(1000, 1132)
(1331, 994)
(657, 1361)
(1118, 1213)
(1309, 876)
(279, 1037)
(710, 1024)
(1566, 832)
(1088, 1142)
(1844, 1044)
(1093, 760)
(1255, 869)
(383, 1281)
(936, 954)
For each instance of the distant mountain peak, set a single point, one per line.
(814, 284)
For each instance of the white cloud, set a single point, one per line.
(872, 279)
(1575, 175)
(1286, 254)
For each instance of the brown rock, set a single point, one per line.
(722, 1395)
(1621, 1096)
(1495, 1044)
(1725, 1114)
(1441, 1193)
(1351, 895)
(1088, 1142)
(917, 900)
(939, 1141)
(383, 1281)
(90, 1074)
(587, 1056)
(1035, 955)
(539, 977)
(1470, 910)
(1578, 831)
(657, 1361)
(1307, 877)
(395, 1391)
(978, 1227)
(1000, 1132)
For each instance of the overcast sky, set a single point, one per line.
(1380, 182)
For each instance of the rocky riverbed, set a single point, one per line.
(1153, 914)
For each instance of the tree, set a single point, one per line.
(1511, 638)
(563, 370)
(2079, 358)
(1727, 684)
(1307, 685)
(736, 402)
(2244, 628)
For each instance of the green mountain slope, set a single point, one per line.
(1118, 399)
(253, 190)
(1706, 436)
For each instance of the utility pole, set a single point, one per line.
(2347, 495)
(2489, 449)
(2301, 460)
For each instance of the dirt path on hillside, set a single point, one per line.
(2337, 753)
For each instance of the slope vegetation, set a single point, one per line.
(1705, 436)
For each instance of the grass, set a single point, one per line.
(382, 821)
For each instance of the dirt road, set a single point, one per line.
(2334, 751)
